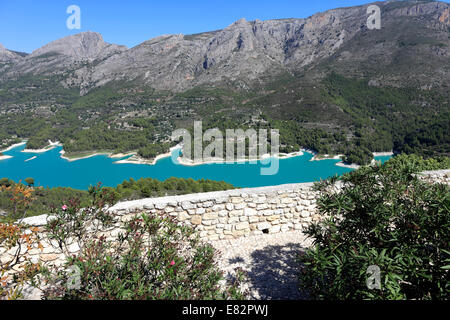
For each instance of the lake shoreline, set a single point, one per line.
(5, 157)
(191, 163)
(50, 169)
(135, 159)
(357, 166)
(51, 146)
(13, 146)
(108, 154)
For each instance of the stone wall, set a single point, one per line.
(236, 213)
(215, 216)
(438, 176)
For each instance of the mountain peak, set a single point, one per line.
(81, 46)
(241, 22)
(7, 55)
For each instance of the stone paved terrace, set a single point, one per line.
(270, 263)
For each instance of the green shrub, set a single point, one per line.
(153, 258)
(386, 217)
(415, 163)
(47, 198)
(29, 181)
(359, 155)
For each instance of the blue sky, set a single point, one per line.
(26, 25)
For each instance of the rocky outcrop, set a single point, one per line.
(66, 55)
(241, 53)
(85, 46)
(8, 55)
(250, 52)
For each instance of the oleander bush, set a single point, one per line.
(154, 257)
(16, 240)
(415, 163)
(384, 216)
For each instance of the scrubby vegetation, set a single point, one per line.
(19, 239)
(384, 217)
(152, 258)
(44, 199)
(361, 156)
(148, 187)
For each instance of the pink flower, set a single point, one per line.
(64, 207)
(172, 263)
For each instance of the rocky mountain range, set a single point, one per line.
(249, 52)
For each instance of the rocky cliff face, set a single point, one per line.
(8, 56)
(250, 52)
(240, 54)
(86, 46)
(66, 54)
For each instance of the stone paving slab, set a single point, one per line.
(270, 263)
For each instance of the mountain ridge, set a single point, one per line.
(243, 51)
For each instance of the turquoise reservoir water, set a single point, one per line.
(49, 169)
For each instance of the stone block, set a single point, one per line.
(186, 205)
(236, 213)
(182, 216)
(210, 216)
(229, 206)
(275, 229)
(235, 200)
(196, 220)
(250, 212)
(160, 206)
(242, 226)
(240, 206)
(208, 204)
(264, 225)
(223, 213)
(218, 207)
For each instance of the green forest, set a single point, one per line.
(340, 116)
